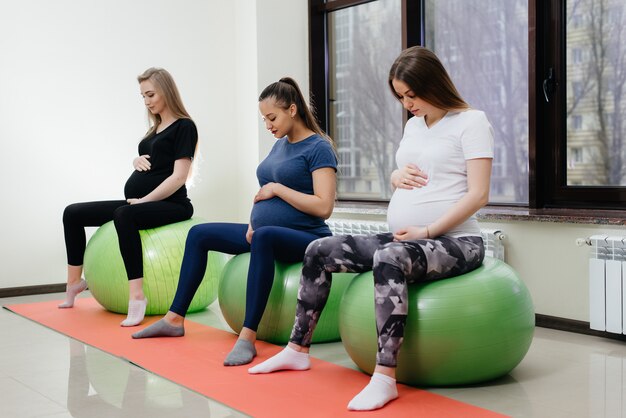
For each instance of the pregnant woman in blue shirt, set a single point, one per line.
(297, 193)
(155, 192)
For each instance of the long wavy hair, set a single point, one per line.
(166, 87)
(422, 71)
(286, 92)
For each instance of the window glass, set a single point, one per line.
(365, 118)
(596, 78)
(484, 46)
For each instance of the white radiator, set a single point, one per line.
(607, 283)
(494, 247)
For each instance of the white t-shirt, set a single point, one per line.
(441, 151)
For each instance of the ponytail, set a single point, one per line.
(287, 92)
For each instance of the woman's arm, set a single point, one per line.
(320, 203)
(477, 196)
(174, 182)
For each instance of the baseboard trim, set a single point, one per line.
(573, 325)
(10, 292)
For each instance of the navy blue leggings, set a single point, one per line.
(269, 243)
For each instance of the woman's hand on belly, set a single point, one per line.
(411, 233)
(141, 163)
(266, 192)
(408, 177)
(134, 201)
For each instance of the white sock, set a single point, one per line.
(136, 312)
(380, 390)
(287, 359)
(71, 292)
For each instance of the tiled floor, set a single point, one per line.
(45, 374)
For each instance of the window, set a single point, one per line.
(365, 119)
(576, 156)
(559, 121)
(577, 90)
(584, 122)
(577, 122)
(490, 69)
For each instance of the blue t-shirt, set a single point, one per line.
(291, 165)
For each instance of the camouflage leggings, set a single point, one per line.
(394, 264)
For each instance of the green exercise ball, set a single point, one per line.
(163, 250)
(280, 311)
(466, 329)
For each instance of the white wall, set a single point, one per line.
(283, 45)
(71, 113)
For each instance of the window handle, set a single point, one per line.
(549, 84)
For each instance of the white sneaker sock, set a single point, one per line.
(71, 292)
(380, 390)
(287, 359)
(136, 312)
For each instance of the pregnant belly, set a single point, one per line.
(139, 184)
(276, 212)
(412, 208)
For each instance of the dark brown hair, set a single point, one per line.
(422, 71)
(286, 92)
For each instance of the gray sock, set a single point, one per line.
(160, 329)
(242, 353)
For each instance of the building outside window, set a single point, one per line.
(597, 86)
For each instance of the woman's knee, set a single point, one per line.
(265, 234)
(393, 255)
(323, 247)
(71, 212)
(323, 254)
(123, 216)
(195, 235)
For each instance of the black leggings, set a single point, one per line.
(128, 219)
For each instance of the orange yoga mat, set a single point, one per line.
(195, 361)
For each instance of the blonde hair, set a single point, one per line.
(166, 87)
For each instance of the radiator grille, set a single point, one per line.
(607, 283)
(357, 227)
(494, 247)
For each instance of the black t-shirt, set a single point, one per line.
(175, 142)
